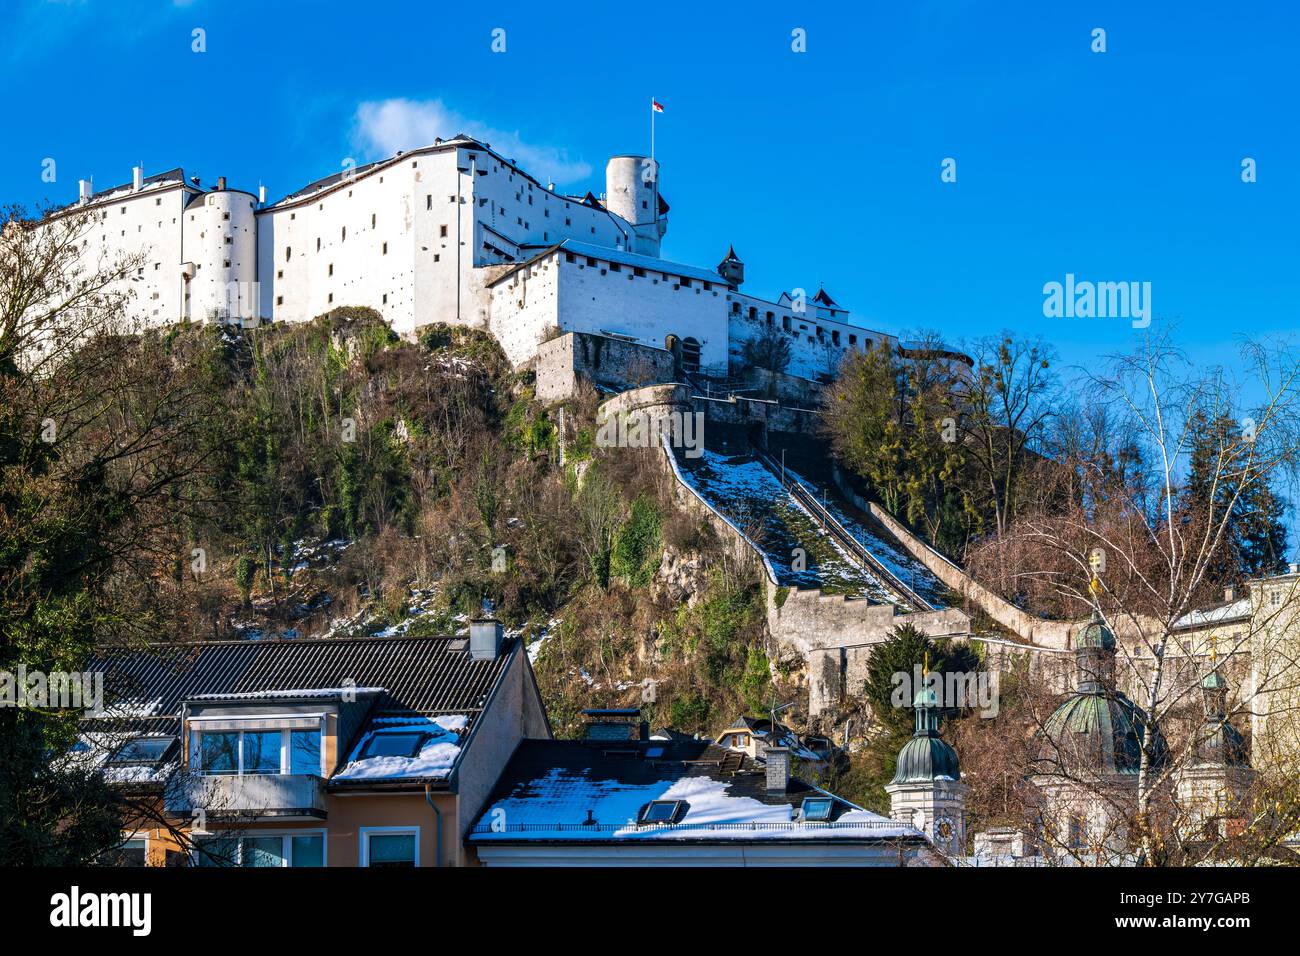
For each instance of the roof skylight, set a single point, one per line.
(396, 744)
(142, 750)
(661, 811)
(817, 808)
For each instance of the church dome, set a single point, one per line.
(1095, 635)
(926, 757)
(1100, 732)
(1097, 730)
(1223, 745)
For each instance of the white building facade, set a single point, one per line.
(452, 233)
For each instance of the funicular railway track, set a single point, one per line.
(828, 523)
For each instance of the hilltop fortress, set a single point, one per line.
(455, 233)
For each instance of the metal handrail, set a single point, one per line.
(633, 826)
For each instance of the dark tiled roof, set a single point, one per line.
(426, 675)
(174, 176)
(326, 181)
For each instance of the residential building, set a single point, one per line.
(681, 802)
(374, 751)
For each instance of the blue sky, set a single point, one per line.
(822, 166)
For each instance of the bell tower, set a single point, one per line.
(1212, 786)
(927, 791)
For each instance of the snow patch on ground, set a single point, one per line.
(901, 564)
(741, 488)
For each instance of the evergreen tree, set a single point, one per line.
(1255, 539)
(905, 653)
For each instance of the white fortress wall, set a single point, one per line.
(644, 299)
(130, 220)
(512, 204)
(819, 338)
(525, 306)
(356, 243)
(442, 212)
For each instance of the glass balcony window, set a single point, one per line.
(256, 752)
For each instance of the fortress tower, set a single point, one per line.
(632, 192)
(220, 252)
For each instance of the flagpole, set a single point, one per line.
(654, 170)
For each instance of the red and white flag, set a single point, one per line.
(656, 105)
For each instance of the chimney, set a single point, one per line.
(261, 195)
(137, 178)
(86, 187)
(221, 182)
(1230, 594)
(616, 723)
(484, 638)
(778, 769)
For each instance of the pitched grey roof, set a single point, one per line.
(425, 675)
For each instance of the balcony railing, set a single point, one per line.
(247, 796)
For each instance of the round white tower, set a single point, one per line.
(221, 241)
(632, 193)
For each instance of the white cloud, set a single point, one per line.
(385, 126)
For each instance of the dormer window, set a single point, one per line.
(142, 750)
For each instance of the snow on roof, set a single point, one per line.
(1233, 611)
(291, 694)
(140, 773)
(623, 257)
(327, 183)
(435, 759)
(172, 177)
(126, 707)
(555, 806)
